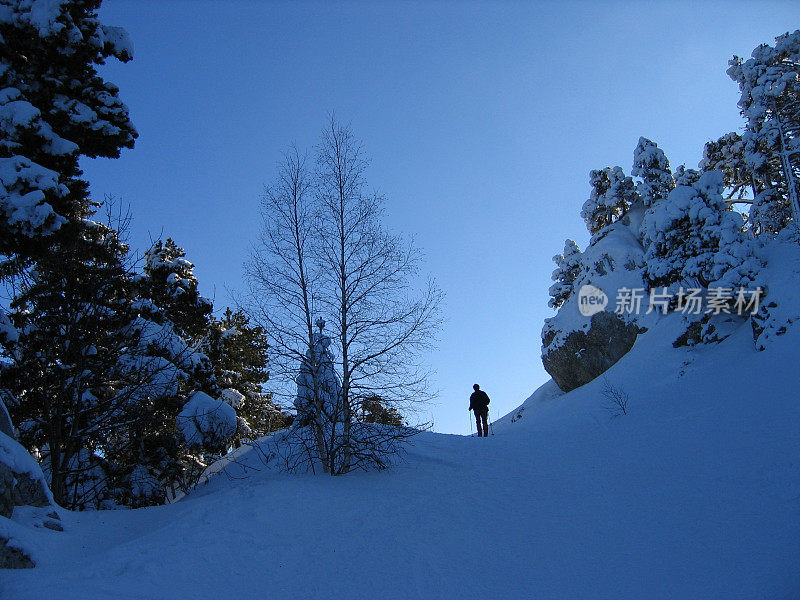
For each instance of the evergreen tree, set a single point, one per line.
(238, 353)
(568, 268)
(150, 455)
(66, 369)
(54, 108)
(101, 362)
(374, 410)
(612, 195)
(726, 155)
(176, 322)
(770, 102)
(684, 176)
(171, 284)
(687, 231)
(650, 164)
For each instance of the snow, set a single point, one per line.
(780, 280)
(120, 41)
(205, 421)
(16, 457)
(8, 332)
(21, 194)
(232, 397)
(695, 494)
(40, 14)
(328, 390)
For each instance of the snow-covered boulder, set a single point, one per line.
(207, 422)
(24, 495)
(585, 355)
(584, 340)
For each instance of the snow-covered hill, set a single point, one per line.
(695, 493)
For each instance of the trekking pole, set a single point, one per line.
(491, 425)
(470, 425)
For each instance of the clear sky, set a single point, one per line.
(482, 121)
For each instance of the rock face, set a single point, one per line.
(585, 355)
(22, 488)
(592, 330)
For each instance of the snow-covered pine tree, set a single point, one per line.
(650, 164)
(238, 354)
(687, 231)
(54, 108)
(684, 176)
(372, 409)
(726, 155)
(770, 102)
(568, 267)
(171, 284)
(175, 321)
(150, 455)
(612, 195)
(66, 370)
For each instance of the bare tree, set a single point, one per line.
(282, 278)
(322, 252)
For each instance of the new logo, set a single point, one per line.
(591, 300)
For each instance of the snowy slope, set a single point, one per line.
(694, 494)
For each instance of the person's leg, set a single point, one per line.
(485, 424)
(478, 423)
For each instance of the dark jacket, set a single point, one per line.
(479, 401)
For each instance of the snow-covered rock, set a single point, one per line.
(24, 496)
(578, 345)
(585, 355)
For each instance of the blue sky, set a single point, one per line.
(482, 121)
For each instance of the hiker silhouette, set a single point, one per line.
(479, 404)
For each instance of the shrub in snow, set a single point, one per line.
(206, 422)
(616, 399)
